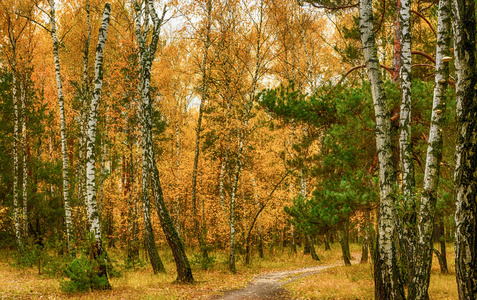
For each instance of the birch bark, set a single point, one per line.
(387, 281)
(407, 232)
(419, 284)
(15, 152)
(64, 148)
(91, 197)
(184, 272)
(465, 175)
(24, 159)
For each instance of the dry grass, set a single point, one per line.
(25, 283)
(342, 282)
(356, 281)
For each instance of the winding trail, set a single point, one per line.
(270, 285)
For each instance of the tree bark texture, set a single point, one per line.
(419, 283)
(407, 230)
(16, 213)
(184, 272)
(465, 175)
(388, 276)
(91, 195)
(64, 147)
(23, 95)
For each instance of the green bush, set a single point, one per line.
(204, 262)
(83, 275)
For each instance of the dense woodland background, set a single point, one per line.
(240, 126)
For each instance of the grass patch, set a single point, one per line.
(356, 281)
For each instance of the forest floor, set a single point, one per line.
(280, 275)
(271, 285)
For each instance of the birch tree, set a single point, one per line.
(15, 29)
(154, 257)
(64, 146)
(204, 90)
(387, 281)
(407, 229)
(91, 197)
(465, 175)
(419, 285)
(150, 171)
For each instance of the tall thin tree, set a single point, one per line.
(465, 175)
(387, 279)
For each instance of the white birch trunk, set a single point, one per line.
(16, 213)
(387, 279)
(418, 288)
(64, 148)
(24, 160)
(147, 54)
(465, 176)
(406, 228)
(91, 201)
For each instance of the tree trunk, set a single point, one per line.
(439, 236)
(388, 275)
(312, 247)
(184, 272)
(64, 148)
(419, 283)
(204, 95)
(232, 214)
(91, 199)
(16, 134)
(344, 242)
(366, 237)
(464, 27)
(406, 225)
(327, 241)
(23, 95)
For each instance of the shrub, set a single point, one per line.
(83, 275)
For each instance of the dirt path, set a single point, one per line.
(270, 285)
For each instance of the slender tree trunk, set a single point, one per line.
(418, 288)
(85, 95)
(91, 197)
(366, 236)
(23, 92)
(388, 283)
(344, 242)
(184, 272)
(465, 176)
(64, 148)
(327, 242)
(406, 226)
(439, 236)
(204, 94)
(16, 134)
(232, 212)
(312, 247)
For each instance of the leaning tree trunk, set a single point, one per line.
(184, 272)
(419, 284)
(64, 148)
(465, 176)
(91, 198)
(156, 262)
(387, 275)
